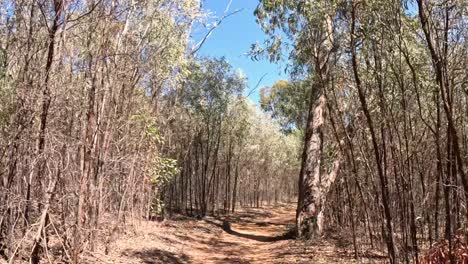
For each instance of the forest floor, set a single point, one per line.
(255, 236)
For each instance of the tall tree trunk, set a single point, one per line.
(234, 190)
(310, 204)
(378, 160)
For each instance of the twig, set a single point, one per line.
(208, 34)
(60, 239)
(256, 86)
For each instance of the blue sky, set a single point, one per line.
(233, 38)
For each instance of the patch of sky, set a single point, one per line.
(233, 39)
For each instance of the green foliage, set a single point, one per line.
(297, 20)
(157, 206)
(209, 85)
(153, 133)
(270, 147)
(288, 103)
(163, 170)
(163, 27)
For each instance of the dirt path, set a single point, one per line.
(253, 237)
(256, 236)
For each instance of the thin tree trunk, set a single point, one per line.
(383, 179)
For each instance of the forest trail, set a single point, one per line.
(256, 236)
(253, 237)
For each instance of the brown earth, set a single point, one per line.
(255, 236)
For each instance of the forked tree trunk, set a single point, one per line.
(308, 206)
(313, 184)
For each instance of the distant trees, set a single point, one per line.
(228, 152)
(288, 103)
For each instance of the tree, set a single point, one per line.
(310, 25)
(287, 102)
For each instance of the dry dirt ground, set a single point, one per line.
(256, 236)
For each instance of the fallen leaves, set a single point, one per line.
(440, 252)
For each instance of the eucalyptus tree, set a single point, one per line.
(207, 91)
(270, 163)
(287, 102)
(310, 25)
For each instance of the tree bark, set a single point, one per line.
(309, 204)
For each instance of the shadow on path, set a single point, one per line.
(256, 237)
(227, 228)
(157, 256)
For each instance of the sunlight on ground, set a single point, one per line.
(256, 236)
